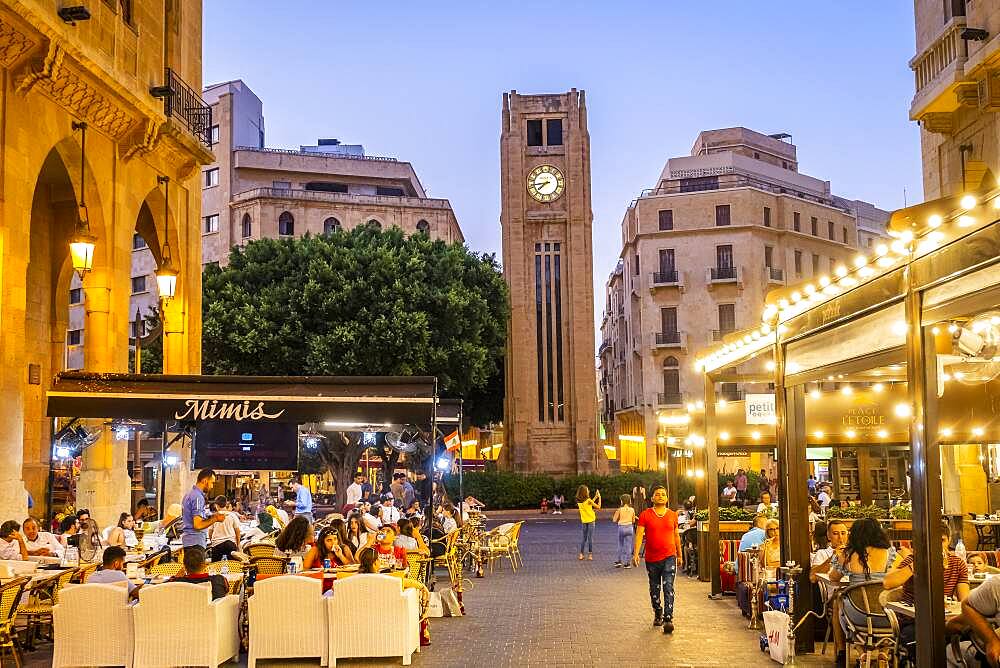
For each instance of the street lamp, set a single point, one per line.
(81, 244)
(166, 275)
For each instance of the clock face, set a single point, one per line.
(546, 183)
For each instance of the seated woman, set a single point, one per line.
(328, 546)
(770, 549)
(368, 561)
(123, 535)
(450, 520)
(357, 537)
(409, 538)
(295, 539)
(868, 555)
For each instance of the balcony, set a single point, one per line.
(181, 102)
(775, 275)
(669, 399)
(669, 340)
(664, 278)
(719, 334)
(340, 198)
(721, 275)
(937, 69)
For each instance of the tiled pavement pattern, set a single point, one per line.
(558, 611)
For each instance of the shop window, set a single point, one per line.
(286, 224)
(534, 129)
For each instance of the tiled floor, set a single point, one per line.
(558, 611)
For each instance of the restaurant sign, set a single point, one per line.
(213, 409)
(760, 409)
(864, 418)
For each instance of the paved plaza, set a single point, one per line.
(558, 611)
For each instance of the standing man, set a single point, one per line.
(195, 520)
(658, 526)
(354, 492)
(303, 500)
(741, 485)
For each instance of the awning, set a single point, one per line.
(337, 402)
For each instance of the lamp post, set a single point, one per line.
(82, 243)
(166, 275)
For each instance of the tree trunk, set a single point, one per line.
(340, 455)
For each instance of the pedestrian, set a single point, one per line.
(741, 485)
(657, 528)
(303, 499)
(588, 518)
(624, 517)
(558, 500)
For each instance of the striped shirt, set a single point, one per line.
(955, 573)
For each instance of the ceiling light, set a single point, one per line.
(967, 202)
(978, 431)
(882, 433)
(902, 410)
(699, 404)
(840, 271)
(722, 403)
(945, 377)
(724, 435)
(946, 432)
(935, 331)
(818, 434)
(847, 390)
(850, 433)
(769, 365)
(878, 387)
(952, 328)
(671, 440)
(815, 394)
(899, 328)
(755, 435)
(934, 220)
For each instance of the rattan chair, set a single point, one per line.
(151, 561)
(215, 568)
(269, 565)
(10, 599)
(420, 567)
(865, 621)
(85, 572)
(44, 596)
(515, 537)
(260, 550)
(450, 558)
(171, 568)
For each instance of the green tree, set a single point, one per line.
(151, 355)
(362, 302)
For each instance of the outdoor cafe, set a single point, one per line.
(884, 378)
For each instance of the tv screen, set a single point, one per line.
(814, 454)
(246, 445)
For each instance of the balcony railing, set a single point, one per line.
(722, 274)
(948, 50)
(669, 339)
(665, 278)
(669, 399)
(732, 180)
(775, 275)
(180, 101)
(340, 198)
(317, 154)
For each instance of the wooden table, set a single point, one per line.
(951, 609)
(37, 576)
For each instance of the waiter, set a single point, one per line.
(194, 518)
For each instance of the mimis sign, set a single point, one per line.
(213, 409)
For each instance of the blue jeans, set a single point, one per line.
(626, 536)
(588, 537)
(661, 575)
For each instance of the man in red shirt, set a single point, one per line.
(658, 525)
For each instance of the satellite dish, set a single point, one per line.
(406, 441)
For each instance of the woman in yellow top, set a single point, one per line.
(588, 518)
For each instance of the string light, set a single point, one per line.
(978, 431)
(967, 202)
(946, 432)
(878, 387)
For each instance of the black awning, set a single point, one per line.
(337, 402)
(449, 412)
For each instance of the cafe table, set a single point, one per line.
(951, 609)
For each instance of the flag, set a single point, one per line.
(453, 441)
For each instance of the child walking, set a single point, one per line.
(588, 518)
(624, 517)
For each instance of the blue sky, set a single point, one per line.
(423, 82)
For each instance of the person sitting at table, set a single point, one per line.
(409, 538)
(40, 543)
(956, 580)
(195, 565)
(868, 555)
(978, 564)
(296, 538)
(143, 512)
(770, 550)
(328, 546)
(449, 518)
(224, 537)
(113, 570)
(413, 510)
(69, 531)
(368, 563)
(170, 525)
(123, 534)
(765, 504)
(370, 518)
(836, 538)
(390, 513)
(357, 537)
(389, 555)
(729, 493)
(12, 542)
(981, 613)
(756, 535)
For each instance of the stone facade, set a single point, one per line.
(957, 93)
(97, 71)
(549, 416)
(700, 252)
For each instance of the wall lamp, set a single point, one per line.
(974, 34)
(73, 14)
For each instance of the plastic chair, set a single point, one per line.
(288, 619)
(85, 637)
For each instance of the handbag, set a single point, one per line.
(435, 607)
(450, 603)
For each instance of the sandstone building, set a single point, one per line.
(957, 93)
(700, 250)
(549, 418)
(120, 68)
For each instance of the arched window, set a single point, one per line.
(671, 382)
(247, 226)
(331, 225)
(423, 227)
(373, 222)
(286, 224)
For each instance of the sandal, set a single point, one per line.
(580, 557)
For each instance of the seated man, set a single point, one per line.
(836, 533)
(11, 542)
(40, 543)
(756, 535)
(113, 570)
(729, 493)
(981, 612)
(195, 573)
(765, 504)
(389, 554)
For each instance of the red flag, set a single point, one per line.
(453, 441)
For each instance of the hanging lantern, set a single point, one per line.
(166, 275)
(82, 244)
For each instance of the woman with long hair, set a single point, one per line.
(328, 546)
(295, 537)
(356, 537)
(123, 534)
(451, 520)
(588, 518)
(770, 549)
(868, 555)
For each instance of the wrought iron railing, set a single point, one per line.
(343, 198)
(316, 154)
(669, 399)
(182, 102)
(668, 338)
(661, 277)
(723, 273)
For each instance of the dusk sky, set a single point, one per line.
(423, 82)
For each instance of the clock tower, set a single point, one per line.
(550, 410)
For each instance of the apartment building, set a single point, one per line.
(253, 192)
(957, 93)
(700, 251)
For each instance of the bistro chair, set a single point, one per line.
(44, 596)
(515, 548)
(85, 572)
(866, 622)
(260, 550)
(419, 568)
(215, 568)
(10, 599)
(985, 537)
(269, 565)
(170, 569)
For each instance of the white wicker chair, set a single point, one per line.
(174, 625)
(288, 619)
(392, 617)
(85, 638)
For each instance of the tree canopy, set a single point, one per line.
(360, 302)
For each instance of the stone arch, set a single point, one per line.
(331, 225)
(423, 227)
(374, 223)
(286, 224)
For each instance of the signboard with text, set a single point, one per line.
(760, 409)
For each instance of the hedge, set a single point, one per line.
(507, 490)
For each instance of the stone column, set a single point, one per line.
(105, 485)
(13, 374)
